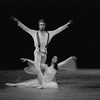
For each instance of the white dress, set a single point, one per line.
(49, 75)
(49, 78)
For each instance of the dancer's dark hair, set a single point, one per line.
(56, 66)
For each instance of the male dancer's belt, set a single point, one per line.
(43, 51)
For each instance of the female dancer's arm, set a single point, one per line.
(34, 70)
(68, 64)
(31, 69)
(25, 59)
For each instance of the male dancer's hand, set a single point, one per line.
(70, 22)
(15, 19)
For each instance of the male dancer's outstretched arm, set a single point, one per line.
(21, 25)
(60, 29)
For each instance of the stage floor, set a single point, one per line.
(78, 85)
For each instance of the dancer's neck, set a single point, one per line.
(42, 32)
(52, 64)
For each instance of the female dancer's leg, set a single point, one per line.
(29, 83)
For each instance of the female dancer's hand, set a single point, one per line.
(24, 59)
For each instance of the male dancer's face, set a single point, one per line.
(41, 26)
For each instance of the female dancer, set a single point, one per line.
(48, 75)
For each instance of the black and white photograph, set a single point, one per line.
(49, 50)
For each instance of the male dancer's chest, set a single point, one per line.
(43, 38)
(40, 39)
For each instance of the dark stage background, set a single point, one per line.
(81, 39)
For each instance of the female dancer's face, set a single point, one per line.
(54, 59)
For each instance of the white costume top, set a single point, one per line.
(49, 74)
(43, 39)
